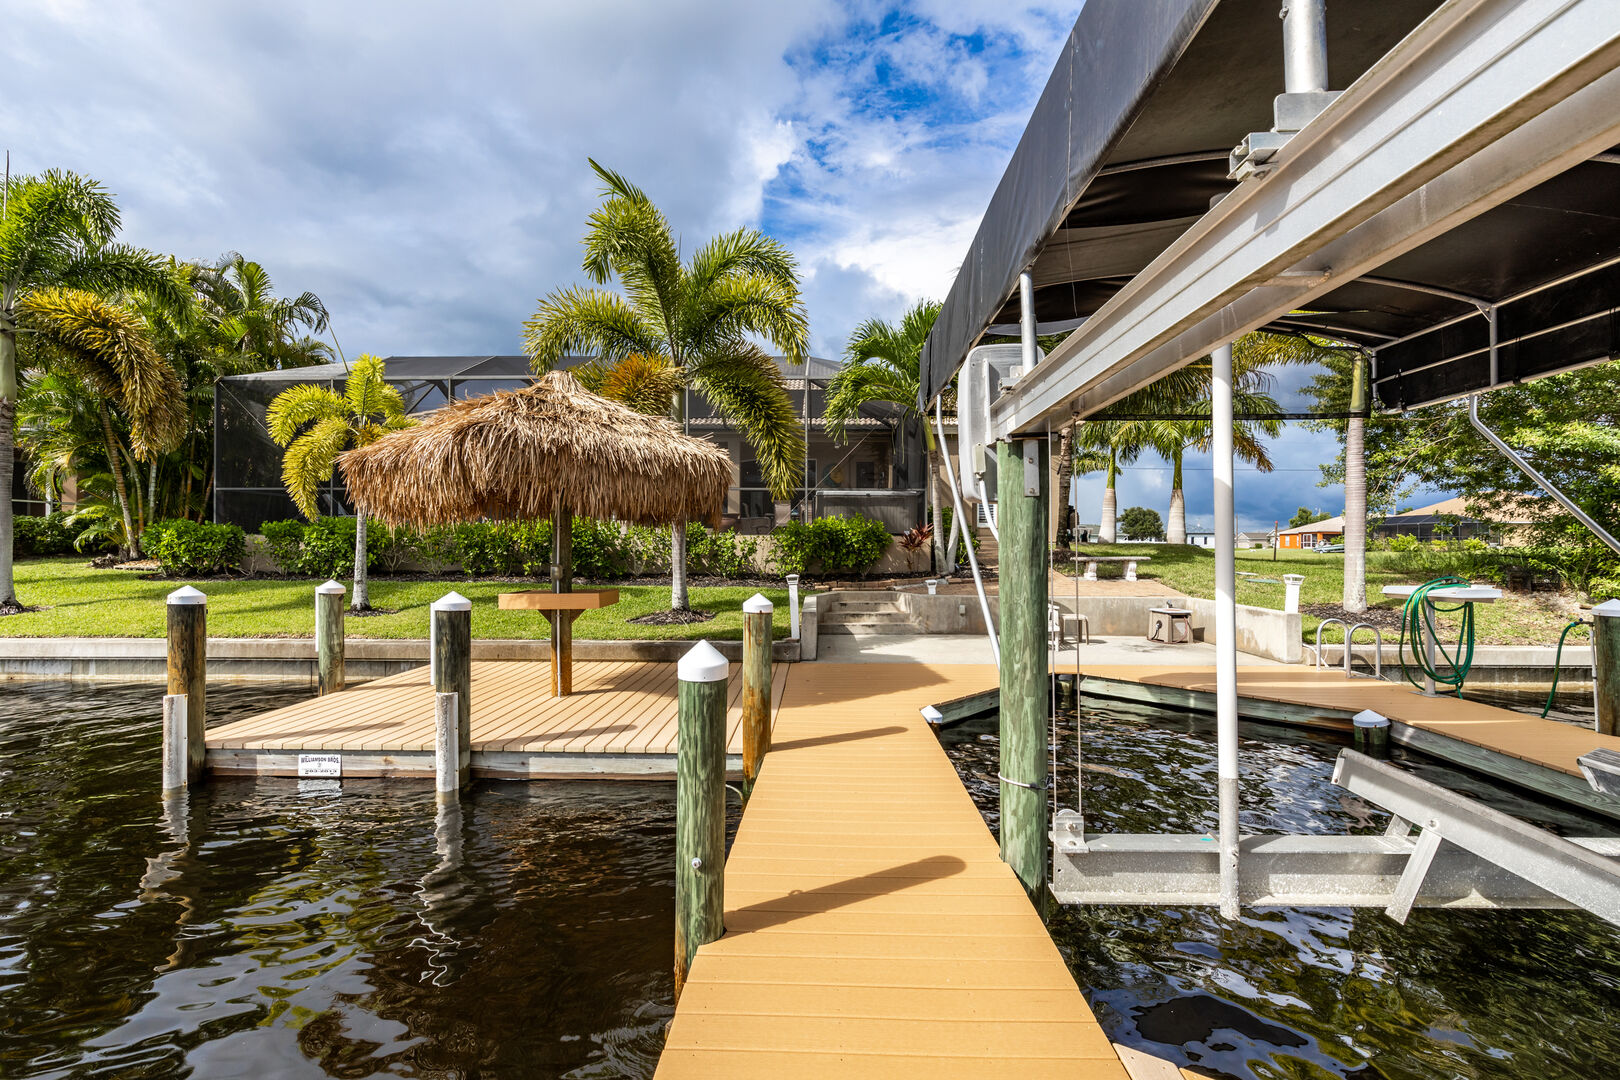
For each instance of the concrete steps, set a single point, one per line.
(875, 614)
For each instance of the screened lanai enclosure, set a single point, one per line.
(880, 471)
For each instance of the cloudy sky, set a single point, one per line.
(422, 167)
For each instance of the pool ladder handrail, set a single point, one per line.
(1349, 654)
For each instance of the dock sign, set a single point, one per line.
(320, 765)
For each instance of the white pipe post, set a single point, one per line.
(957, 516)
(1026, 322)
(1291, 584)
(1305, 51)
(447, 746)
(793, 606)
(174, 744)
(1225, 628)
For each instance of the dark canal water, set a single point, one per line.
(280, 930)
(1314, 992)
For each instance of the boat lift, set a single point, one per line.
(1363, 215)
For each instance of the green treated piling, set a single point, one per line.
(329, 637)
(756, 695)
(1606, 665)
(1021, 472)
(452, 668)
(188, 669)
(700, 803)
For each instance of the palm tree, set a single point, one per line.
(882, 363)
(315, 424)
(57, 229)
(1122, 441)
(700, 317)
(107, 347)
(256, 329)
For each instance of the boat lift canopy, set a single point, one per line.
(1465, 177)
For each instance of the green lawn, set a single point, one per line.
(1515, 620)
(78, 601)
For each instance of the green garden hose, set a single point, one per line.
(1417, 624)
(1558, 659)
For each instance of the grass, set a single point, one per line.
(76, 601)
(1516, 619)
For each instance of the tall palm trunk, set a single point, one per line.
(116, 459)
(1355, 498)
(1065, 485)
(678, 599)
(1106, 531)
(8, 439)
(362, 593)
(1176, 533)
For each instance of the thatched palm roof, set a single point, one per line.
(511, 454)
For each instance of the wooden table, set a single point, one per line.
(561, 609)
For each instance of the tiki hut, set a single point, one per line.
(530, 453)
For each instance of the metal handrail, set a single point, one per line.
(1378, 651)
(1318, 648)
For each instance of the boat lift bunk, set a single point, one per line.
(1454, 211)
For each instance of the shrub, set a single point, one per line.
(722, 554)
(1403, 542)
(830, 545)
(324, 547)
(185, 547)
(42, 536)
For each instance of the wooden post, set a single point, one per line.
(756, 695)
(700, 803)
(175, 743)
(188, 669)
(447, 747)
(562, 580)
(452, 668)
(1606, 666)
(1021, 474)
(329, 637)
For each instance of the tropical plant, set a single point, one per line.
(1108, 446)
(882, 363)
(700, 318)
(915, 539)
(57, 230)
(315, 425)
(257, 330)
(1306, 516)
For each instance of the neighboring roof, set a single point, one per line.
(1127, 147)
(1326, 525)
(512, 455)
(1514, 511)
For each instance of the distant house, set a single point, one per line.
(1200, 538)
(1254, 540)
(1328, 531)
(1448, 519)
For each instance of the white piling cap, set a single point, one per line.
(187, 595)
(1368, 718)
(793, 579)
(1611, 608)
(329, 588)
(1294, 579)
(757, 603)
(932, 715)
(702, 663)
(452, 601)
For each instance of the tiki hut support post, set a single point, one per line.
(329, 633)
(700, 803)
(188, 668)
(452, 668)
(756, 695)
(562, 581)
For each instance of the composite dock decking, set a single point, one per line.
(620, 720)
(872, 929)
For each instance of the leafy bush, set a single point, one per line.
(722, 554)
(42, 536)
(1403, 542)
(830, 545)
(324, 547)
(185, 547)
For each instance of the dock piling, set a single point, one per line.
(1371, 733)
(1021, 468)
(175, 743)
(1606, 666)
(452, 668)
(329, 637)
(188, 669)
(700, 803)
(447, 746)
(756, 695)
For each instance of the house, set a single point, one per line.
(1200, 538)
(1255, 540)
(880, 472)
(1329, 531)
(1449, 519)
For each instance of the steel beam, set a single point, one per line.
(1484, 100)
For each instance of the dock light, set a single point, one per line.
(1291, 584)
(933, 586)
(793, 606)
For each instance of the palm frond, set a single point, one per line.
(745, 303)
(747, 389)
(309, 461)
(298, 405)
(589, 321)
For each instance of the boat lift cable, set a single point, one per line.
(1558, 659)
(973, 560)
(1419, 627)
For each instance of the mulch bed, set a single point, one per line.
(369, 612)
(672, 618)
(1382, 617)
(11, 607)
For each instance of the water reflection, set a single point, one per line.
(287, 928)
(1314, 992)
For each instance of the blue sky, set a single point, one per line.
(421, 167)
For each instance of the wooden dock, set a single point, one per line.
(871, 926)
(618, 722)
